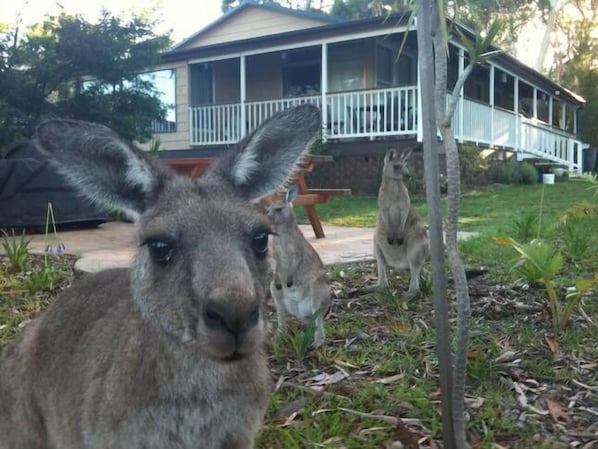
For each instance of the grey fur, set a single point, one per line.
(300, 287)
(168, 354)
(400, 240)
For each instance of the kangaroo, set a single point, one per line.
(400, 240)
(168, 354)
(299, 287)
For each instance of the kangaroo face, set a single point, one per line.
(201, 271)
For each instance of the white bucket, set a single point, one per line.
(548, 178)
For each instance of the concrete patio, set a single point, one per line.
(112, 245)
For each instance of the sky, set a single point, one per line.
(183, 17)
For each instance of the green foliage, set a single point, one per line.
(541, 262)
(513, 172)
(524, 227)
(479, 49)
(67, 66)
(471, 164)
(155, 145)
(42, 278)
(298, 338)
(577, 237)
(17, 251)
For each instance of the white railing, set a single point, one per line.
(498, 128)
(378, 113)
(371, 113)
(368, 113)
(221, 123)
(548, 143)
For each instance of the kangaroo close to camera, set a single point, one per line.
(299, 287)
(168, 354)
(400, 239)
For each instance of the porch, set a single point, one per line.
(391, 112)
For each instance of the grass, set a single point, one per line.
(490, 209)
(378, 366)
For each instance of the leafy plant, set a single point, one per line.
(577, 239)
(154, 147)
(513, 172)
(524, 227)
(42, 279)
(298, 338)
(541, 262)
(17, 251)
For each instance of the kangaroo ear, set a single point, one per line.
(390, 154)
(101, 165)
(291, 194)
(266, 159)
(406, 155)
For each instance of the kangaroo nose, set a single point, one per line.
(232, 318)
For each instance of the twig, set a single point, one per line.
(311, 390)
(587, 387)
(388, 419)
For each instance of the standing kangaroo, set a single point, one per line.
(300, 287)
(400, 240)
(170, 353)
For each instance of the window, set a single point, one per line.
(542, 108)
(346, 66)
(557, 114)
(394, 69)
(384, 66)
(164, 82)
(526, 99)
(301, 71)
(504, 88)
(477, 85)
(202, 86)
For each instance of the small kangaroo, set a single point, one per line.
(299, 287)
(400, 240)
(170, 353)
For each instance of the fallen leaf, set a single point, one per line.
(553, 343)
(292, 408)
(507, 356)
(390, 379)
(557, 411)
(327, 379)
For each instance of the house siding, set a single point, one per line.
(253, 22)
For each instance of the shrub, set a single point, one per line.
(513, 172)
(471, 164)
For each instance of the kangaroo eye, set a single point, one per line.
(160, 251)
(260, 243)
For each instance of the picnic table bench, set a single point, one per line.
(308, 198)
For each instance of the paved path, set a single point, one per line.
(112, 245)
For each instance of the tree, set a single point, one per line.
(69, 67)
(432, 39)
(427, 18)
(575, 63)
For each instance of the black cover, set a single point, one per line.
(28, 183)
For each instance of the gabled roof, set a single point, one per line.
(246, 4)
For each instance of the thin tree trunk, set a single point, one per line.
(549, 27)
(427, 14)
(444, 118)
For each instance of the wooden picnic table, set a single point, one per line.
(308, 198)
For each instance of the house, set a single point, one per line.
(261, 58)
